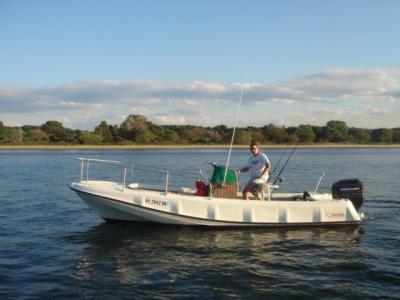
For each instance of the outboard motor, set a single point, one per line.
(351, 189)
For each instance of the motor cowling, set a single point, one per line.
(351, 189)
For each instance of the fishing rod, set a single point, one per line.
(280, 158)
(284, 165)
(278, 163)
(290, 156)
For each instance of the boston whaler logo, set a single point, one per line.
(334, 214)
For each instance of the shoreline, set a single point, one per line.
(161, 147)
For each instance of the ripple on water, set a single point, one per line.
(53, 246)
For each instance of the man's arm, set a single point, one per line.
(265, 171)
(267, 166)
(244, 170)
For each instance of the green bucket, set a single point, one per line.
(219, 174)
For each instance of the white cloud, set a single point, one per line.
(324, 96)
(377, 111)
(168, 120)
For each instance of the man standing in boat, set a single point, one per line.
(258, 167)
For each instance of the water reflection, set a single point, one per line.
(144, 253)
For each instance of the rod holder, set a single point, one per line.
(166, 182)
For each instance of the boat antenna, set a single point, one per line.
(285, 164)
(234, 130)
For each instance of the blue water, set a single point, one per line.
(52, 246)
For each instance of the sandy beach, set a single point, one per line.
(189, 146)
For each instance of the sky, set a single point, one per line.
(186, 62)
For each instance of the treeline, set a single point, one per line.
(136, 129)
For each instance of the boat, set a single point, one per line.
(217, 204)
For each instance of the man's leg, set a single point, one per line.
(257, 190)
(250, 189)
(246, 193)
(256, 194)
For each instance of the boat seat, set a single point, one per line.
(267, 190)
(133, 185)
(187, 190)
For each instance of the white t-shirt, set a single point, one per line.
(257, 165)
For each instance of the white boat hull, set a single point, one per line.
(113, 202)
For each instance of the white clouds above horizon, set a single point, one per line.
(364, 98)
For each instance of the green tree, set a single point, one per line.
(359, 135)
(132, 127)
(2, 131)
(55, 130)
(11, 135)
(305, 134)
(256, 135)
(242, 137)
(193, 134)
(381, 135)
(291, 137)
(320, 135)
(145, 137)
(89, 138)
(70, 136)
(221, 134)
(36, 135)
(170, 136)
(336, 131)
(396, 135)
(274, 134)
(104, 130)
(115, 133)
